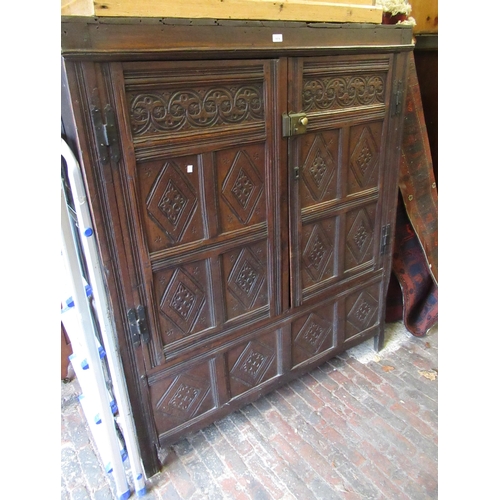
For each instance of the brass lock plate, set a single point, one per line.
(294, 124)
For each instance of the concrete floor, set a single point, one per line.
(362, 426)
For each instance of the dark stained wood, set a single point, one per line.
(110, 38)
(249, 277)
(426, 64)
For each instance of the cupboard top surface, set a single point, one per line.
(120, 39)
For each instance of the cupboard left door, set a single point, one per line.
(192, 222)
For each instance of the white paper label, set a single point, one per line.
(277, 37)
(190, 169)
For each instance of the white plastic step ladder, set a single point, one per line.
(96, 364)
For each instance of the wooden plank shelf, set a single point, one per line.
(356, 11)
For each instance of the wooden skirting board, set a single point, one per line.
(356, 11)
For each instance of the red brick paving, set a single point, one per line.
(348, 430)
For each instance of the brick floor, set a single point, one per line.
(362, 426)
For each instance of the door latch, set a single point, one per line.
(294, 124)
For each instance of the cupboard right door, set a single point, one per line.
(336, 182)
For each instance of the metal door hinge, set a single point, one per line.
(106, 133)
(138, 326)
(397, 101)
(384, 239)
(294, 124)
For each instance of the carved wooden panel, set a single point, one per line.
(361, 310)
(245, 280)
(165, 98)
(204, 106)
(252, 363)
(318, 262)
(364, 156)
(241, 186)
(184, 300)
(338, 92)
(360, 236)
(340, 84)
(313, 333)
(179, 398)
(319, 167)
(170, 194)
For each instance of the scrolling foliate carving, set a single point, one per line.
(341, 92)
(179, 110)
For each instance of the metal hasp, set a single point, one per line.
(137, 321)
(294, 124)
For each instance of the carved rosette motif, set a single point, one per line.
(246, 278)
(363, 312)
(182, 300)
(319, 168)
(179, 110)
(360, 236)
(253, 363)
(342, 91)
(171, 202)
(183, 397)
(364, 158)
(242, 187)
(313, 334)
(317, 253)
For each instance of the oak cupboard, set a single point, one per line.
(243, 183)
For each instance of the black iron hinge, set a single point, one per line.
(106, 133)
(384, 239)
(397, 100)
(138, 325)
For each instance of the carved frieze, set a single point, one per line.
(325, 93)
(179, 110)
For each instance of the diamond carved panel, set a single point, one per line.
(246, 278)
(242, 187)
(317, 253)
(253, 363)
(318, 169)
(362, 313)
(182, 300)
(360, 236)
(171, 202)
(364, 158)
(184, 396)
(313, 334)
